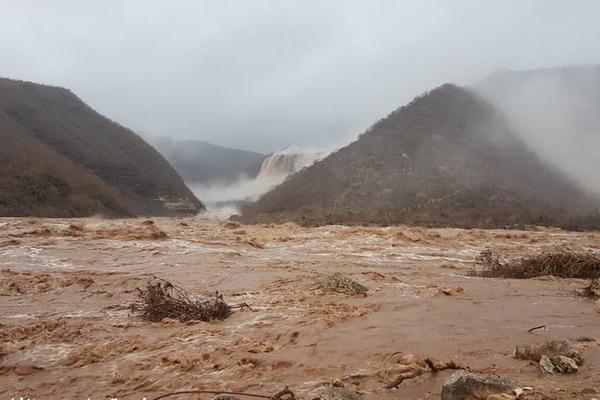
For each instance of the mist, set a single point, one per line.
(556, 112)
(224, 197)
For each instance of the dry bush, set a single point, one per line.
(338, 283)
(161, 299)
(562, 263)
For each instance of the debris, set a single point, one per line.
(232, 224)
(468, 386)
(592, 290)
(417, 367)
(565, 365)
(285, 394)
(448, 291)
(339, 393)
(586, 339)
(10, 242)
(535, 328)
(254, 242)
(76, 227)
(562, 263)
(146, 230)
(161, 299)
(552, 356)
(412, 372)
(549, 348)
(338, 283)
(438, 365)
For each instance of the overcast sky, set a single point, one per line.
(264, 74)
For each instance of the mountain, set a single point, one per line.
(61, 158)
(446, 159)
(202, 162)
(555, 110)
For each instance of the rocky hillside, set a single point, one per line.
(202, 162)
(447, 158)
(61, 158)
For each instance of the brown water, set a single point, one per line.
(66, 331)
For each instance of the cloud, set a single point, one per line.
(263, 74)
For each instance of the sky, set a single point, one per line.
(261, 75)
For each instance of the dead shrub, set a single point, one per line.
(338, 283)
(161, 299)
(562, 263)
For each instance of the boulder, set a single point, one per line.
(468, 386)
(565, 365)
(546, 365)
(551, 348)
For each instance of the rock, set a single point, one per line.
(564, 365)
(467, 386)
(338, 393)
(547, 365)
(551, 348)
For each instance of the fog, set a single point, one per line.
(556, 112)
(261, 75)
(274, 170)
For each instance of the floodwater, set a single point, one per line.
(66, 330)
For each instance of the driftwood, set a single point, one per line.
(285, 394)
(535, 328)
(161, 299)
(563, 263)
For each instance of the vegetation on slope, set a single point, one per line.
(447, 158)
(61, 158)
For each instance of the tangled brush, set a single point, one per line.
(338, 283)
(562, 263)
(161, 299)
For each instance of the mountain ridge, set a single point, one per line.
(447, 158)
(62, 158)
(203, 162)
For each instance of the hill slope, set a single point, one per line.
(447, 158)
(61, 158)
(202, 162)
